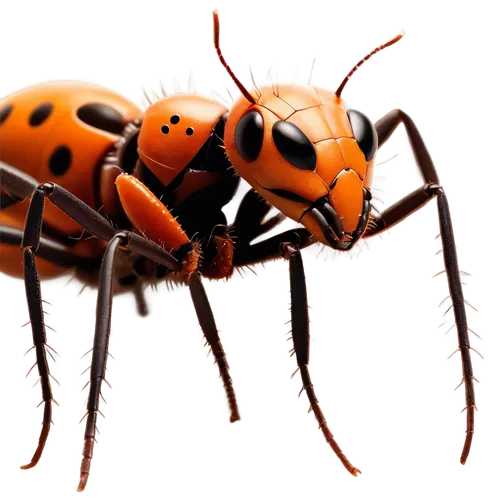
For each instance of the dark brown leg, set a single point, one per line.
(270, 248)
(300, 336)
(30, 244)
(48, 250)
(100, 351)
(22, 186)
(207, 323)
(399, 211)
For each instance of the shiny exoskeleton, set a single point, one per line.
(154, 181)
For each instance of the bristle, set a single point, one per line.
(163, 91)
(251, 77)
(269, 74)
(312, 68)
(149, 96)
(177, 87)
(191, 83)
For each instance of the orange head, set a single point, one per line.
(306, 152)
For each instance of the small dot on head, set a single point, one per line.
(165, 129)
(190, 131)
(175, 119)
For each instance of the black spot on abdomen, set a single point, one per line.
(101, 116)
(40, 114)
(5, 112)
(60, 160)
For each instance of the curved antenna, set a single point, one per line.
(243, 90)
(392, 41)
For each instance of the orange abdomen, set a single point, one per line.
(59, 132)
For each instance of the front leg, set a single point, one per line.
(300, 336)
(151, 218)
(406, 206)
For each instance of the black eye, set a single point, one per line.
(165, 129)
(364, 133)
(294, 145)
(249, 135)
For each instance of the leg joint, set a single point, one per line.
(432, 188)
(46, 187)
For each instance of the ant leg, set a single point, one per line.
(30, 245)
(207, 323)
(48, 250)
(402, 209)
(300, 336)
(99, 351)
(270, 248)
(22, 186)
(159, 224)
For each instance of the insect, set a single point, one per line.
(162, 179)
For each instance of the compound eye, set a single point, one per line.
(364, 133)
(294, 145)
(249, 135)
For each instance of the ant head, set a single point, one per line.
(306, 152)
